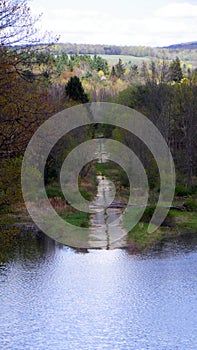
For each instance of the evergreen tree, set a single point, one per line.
(113, 72)
(176, 73)
(153, 72)
(98, 63)
(75, 90)
(144, 72)
(120, 68)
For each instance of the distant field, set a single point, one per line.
(191, 62)
(113, 59)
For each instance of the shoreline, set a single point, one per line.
(136, 241)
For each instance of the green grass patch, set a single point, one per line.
(140, 236)
(185, 222)
(78, 219)
(54, 191)
(86, 194)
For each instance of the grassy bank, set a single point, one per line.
(180, 223)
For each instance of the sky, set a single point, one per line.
(123, 22)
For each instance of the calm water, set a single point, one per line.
(53, 297)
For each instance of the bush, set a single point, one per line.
(181, 191)
(193, 189)
(190, 205)
(148, 213)
(124, 179)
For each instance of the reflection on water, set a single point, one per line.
(106, 228)
(28, 246)
(53, 298)
(106, 223)
(182, 245)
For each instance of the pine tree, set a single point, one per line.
(113, 72)
(176, 73)
(75, 90)
(120, 68)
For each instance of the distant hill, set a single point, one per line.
(183, 46)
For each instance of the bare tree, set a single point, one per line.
(17, 25)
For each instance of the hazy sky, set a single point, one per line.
(123, 22)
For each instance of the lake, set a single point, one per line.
(56, 298)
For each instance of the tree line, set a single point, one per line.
(185, 52)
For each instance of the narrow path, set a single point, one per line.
(106, 222)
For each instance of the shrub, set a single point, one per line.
(148, 213)
(190, 205)
(181, 191)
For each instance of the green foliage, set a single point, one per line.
(172, 109)
(88, 75)
(181, 222)
(120, 69)
(139, 238)
(54, 190)
(44, 57)
(190, 204)
(60, 63)
(79, 218)
(112, 52)
(127, 97)
(113, 72)
(124, 179)
(193, 189)
(98, 63)
(75, 90)
(182, 191)
(86, 195)
(176, 73)
(148, 213)
(64, 58)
